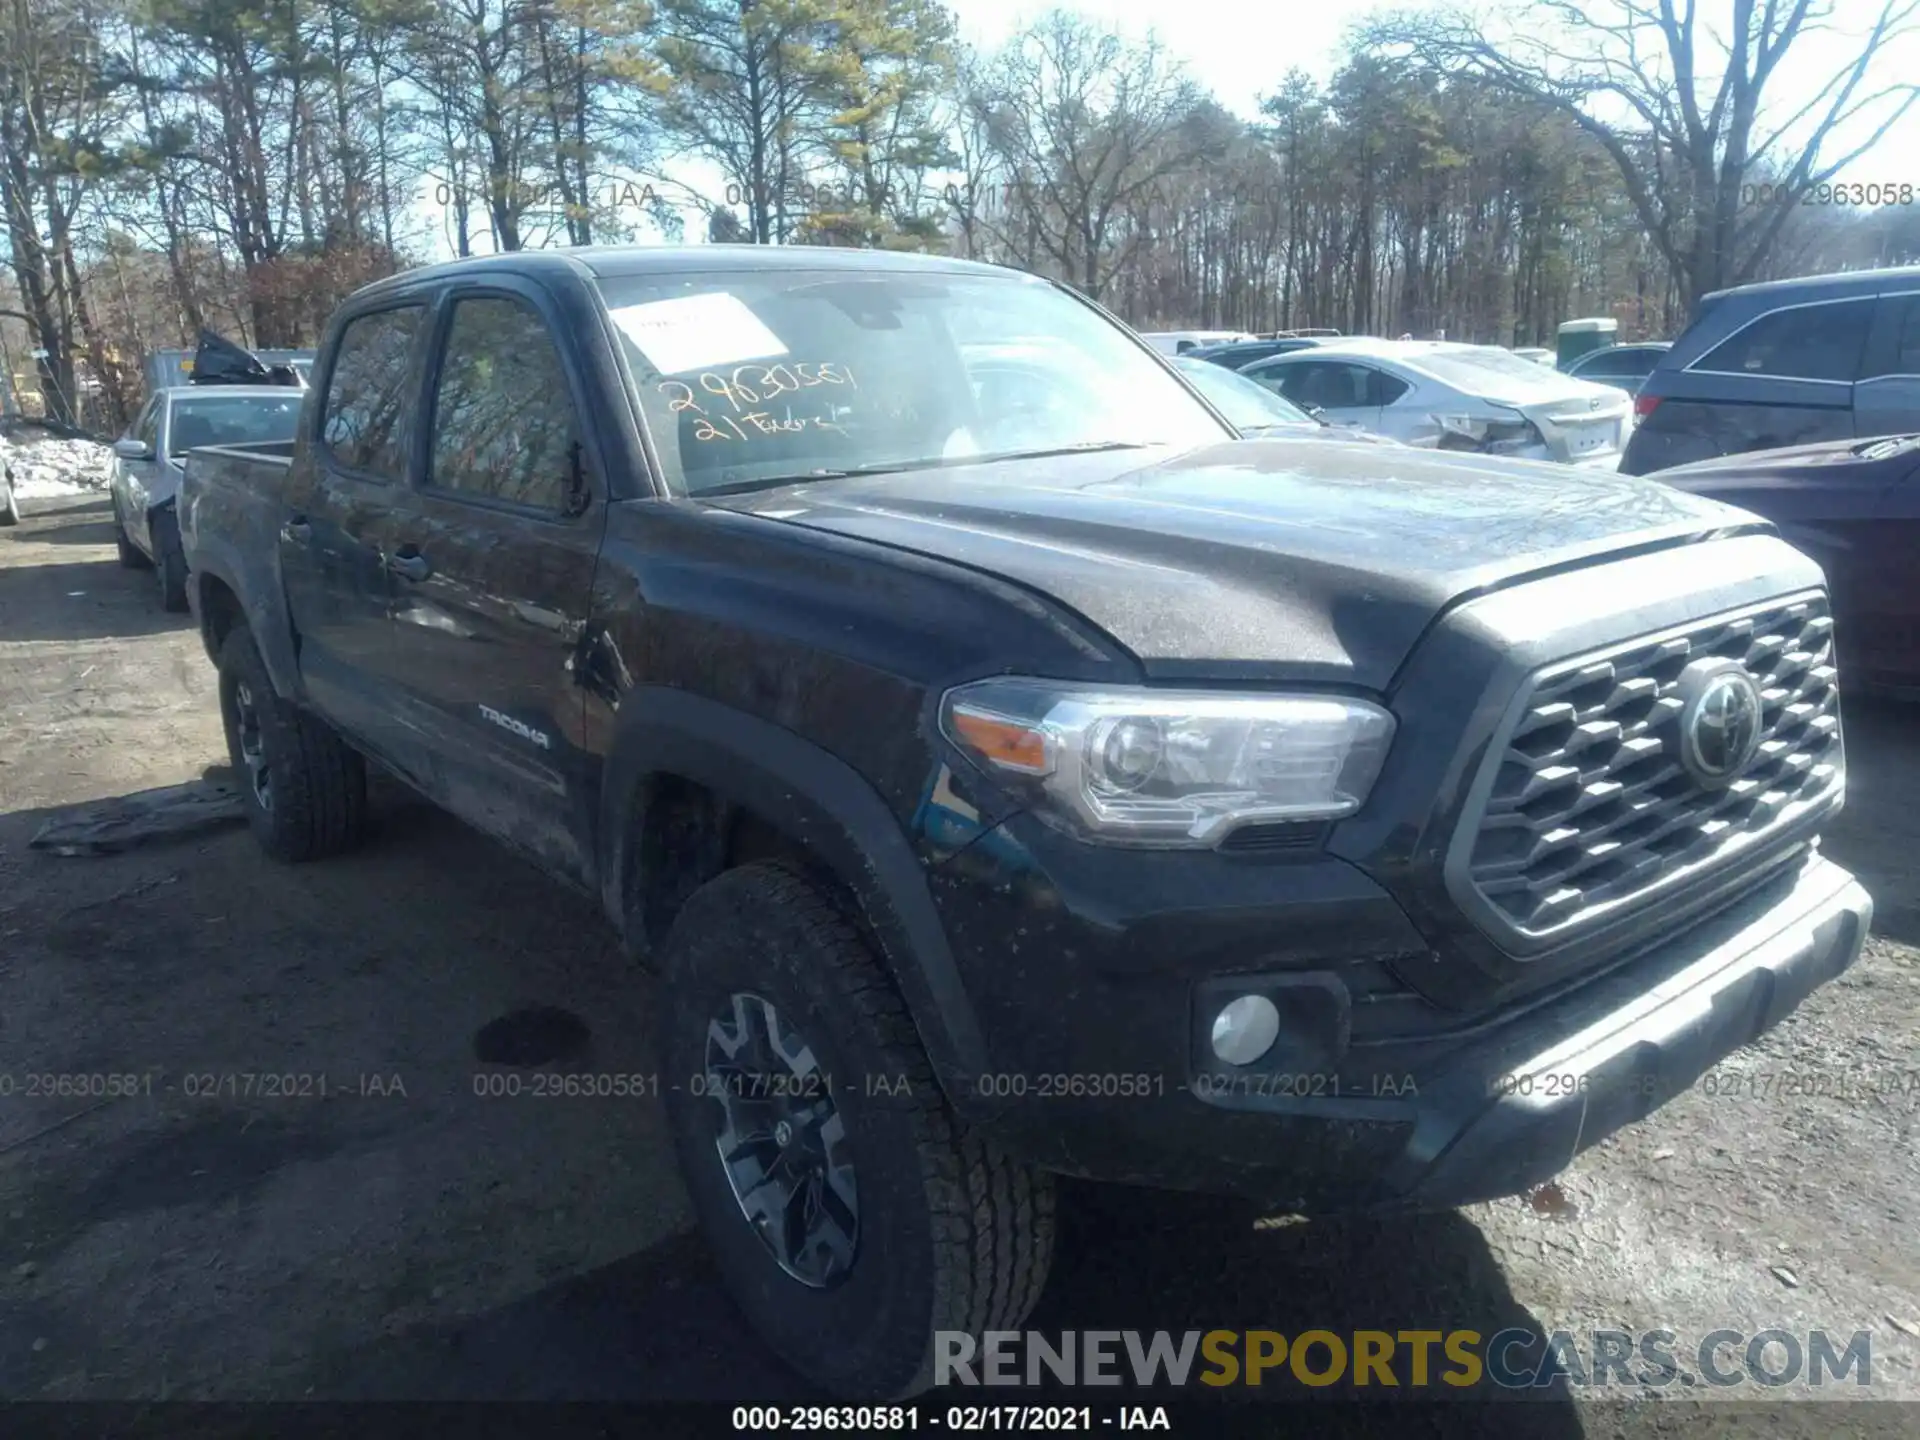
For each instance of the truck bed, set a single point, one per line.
(232, 504)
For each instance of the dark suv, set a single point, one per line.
(1790, 362)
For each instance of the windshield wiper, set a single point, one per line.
(771, 482)
(1085, 447)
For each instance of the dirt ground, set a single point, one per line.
(406, 1237)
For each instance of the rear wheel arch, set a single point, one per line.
(224, 602)
(219, 609)
(695, 788)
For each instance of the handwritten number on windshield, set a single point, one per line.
(746, 388)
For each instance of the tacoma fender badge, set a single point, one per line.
(517, 727)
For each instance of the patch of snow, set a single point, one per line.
(47, 468)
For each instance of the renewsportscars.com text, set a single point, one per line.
(1514, 1359)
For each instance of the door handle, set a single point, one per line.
(407, 566)
(296, 531)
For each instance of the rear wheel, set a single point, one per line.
(169, 561)
(851, 1215)
(304, 788)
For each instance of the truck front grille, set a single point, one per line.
(1590, 809)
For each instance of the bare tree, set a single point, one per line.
(1088, 125)
(1686, 112)
(57, 123)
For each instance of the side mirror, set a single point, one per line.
(128, 448)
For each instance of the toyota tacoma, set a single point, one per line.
(1011, 772)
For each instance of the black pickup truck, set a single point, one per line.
(1013, 773)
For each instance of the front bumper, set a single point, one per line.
(1552, 1086)
(1107, 1073)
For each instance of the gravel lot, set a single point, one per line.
(406, 1238)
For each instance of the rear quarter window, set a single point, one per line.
(1806, 342)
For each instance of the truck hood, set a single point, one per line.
(1257, 559)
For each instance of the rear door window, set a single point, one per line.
(1806, 342)
(371, 394)
(1384, 389)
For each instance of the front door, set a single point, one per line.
(339, 510)
(493, 572)
(133, 479)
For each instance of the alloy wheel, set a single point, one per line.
(253, 749)
(782, 1141)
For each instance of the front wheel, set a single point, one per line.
(304, 788)
(131, 557)
(851, 1215)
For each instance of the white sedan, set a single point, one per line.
(1444, 396)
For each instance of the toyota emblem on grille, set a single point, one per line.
(1719, 721)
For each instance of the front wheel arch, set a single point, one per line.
(823, 815)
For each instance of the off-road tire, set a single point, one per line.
(170, 561)
(318, 783)
(954, 1234)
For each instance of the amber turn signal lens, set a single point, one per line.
(1002, 742)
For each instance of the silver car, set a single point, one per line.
(152, 455)
(1445, 396)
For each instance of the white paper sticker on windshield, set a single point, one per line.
(697, 332)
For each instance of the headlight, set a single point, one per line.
(1170, 767)
(1496, 435)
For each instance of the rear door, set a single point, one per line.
(493, 570)
(1343, 392)
(340, 509)
(1886, 398)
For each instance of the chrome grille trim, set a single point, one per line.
(1582, 809)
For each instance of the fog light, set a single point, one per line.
(1245, 1029)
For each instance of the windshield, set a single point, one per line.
(1472, 368)
(780, 374)
(1246, 403)
(233, 420)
